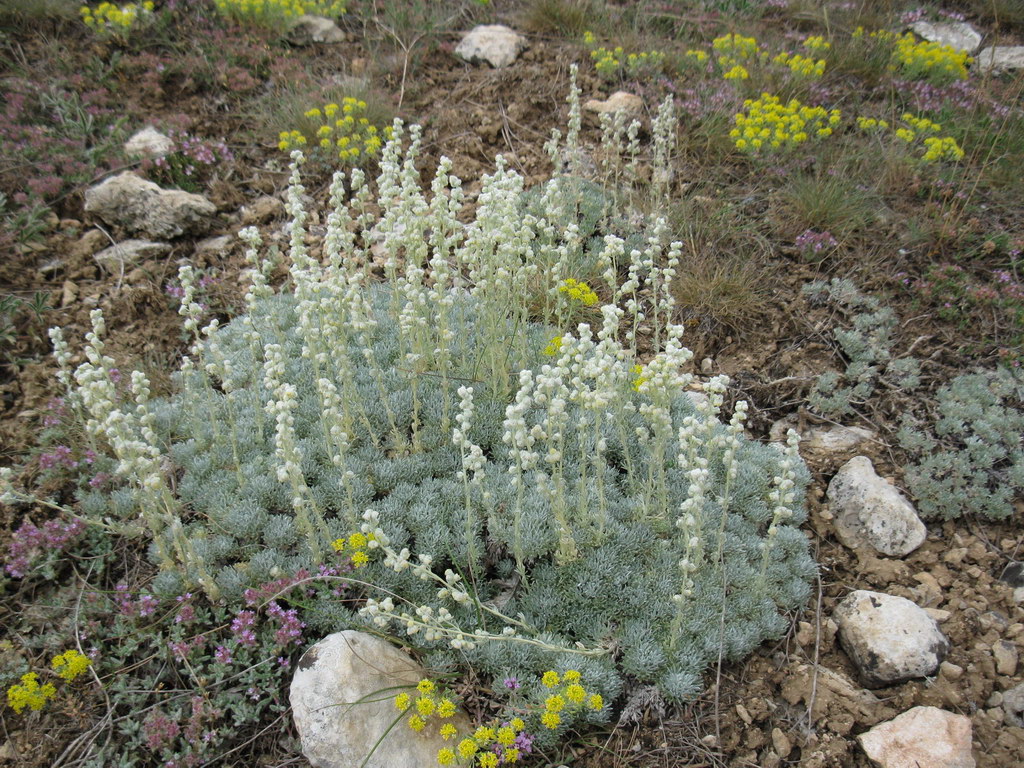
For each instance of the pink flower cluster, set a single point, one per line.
(130, 608)
(29, 541)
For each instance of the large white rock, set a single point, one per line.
(308, 29)
(138, 205)
(149, 142)
(496, 44)
(869, 512)
(128, 253)
(889, 638)
(342, 699)
(620, 101)
(957, 34)
(1001, 58)
(922, 737)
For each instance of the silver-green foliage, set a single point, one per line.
(582, 505)
(867, 345)
(971, 459)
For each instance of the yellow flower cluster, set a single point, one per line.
(274, 13)
(343, 129)
(699, 56)
(567, 692)
(640, 380)
(612, 62)
(479, 748)
(737, 47)
(936, 148)
(871, 125)
(733, 50)
(109, 20)
(802, 66)
(70, 664)
(816, 43)
(920, 124)
(883, 35)
(554, 346)
(577, 290)
(30, 694)
(355, 546)
(766, 123)
(944, 148)
(930, 60)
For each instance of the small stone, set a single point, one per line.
(959, 35)
(828, 442)
(1013, 574)
(805, 634)
(129, 253)
(148, 142)
(262, 210)
(341, 713)
(51, 268)
(1001, 58)
(871, 513)
(744, 715)
(920, 737)
(214, 247)
(707, 366)
(889, 638)
(69, 292)
(1005, 654)
(308, 29)
(620, 101)
(495, 44)
(1018, 595)
(88, 244)
(938, 614)
(995, 699)
(783, 746)
(1013, 705)
(950, 670)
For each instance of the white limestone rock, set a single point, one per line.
(823, 442)
(149, 142)
(129, 253)
(620, 101)
(215, 247)
(309, 29)
(138, 205)
(496, 44)
(889, 638)
(920, 737)
(959, 35)
(342, 698)
(869, 513)
(1001, 58)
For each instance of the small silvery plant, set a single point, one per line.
(867, 346)
(970, 460)
(526, 490)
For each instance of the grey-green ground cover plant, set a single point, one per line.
(970, 460)
(527, 491)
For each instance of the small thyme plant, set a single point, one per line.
(510, 510)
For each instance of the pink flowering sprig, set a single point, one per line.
(30, 542)
(189, 163)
